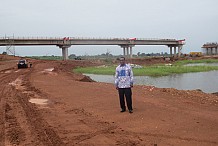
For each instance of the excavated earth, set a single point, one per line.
(49, 105)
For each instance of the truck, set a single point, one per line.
(22, 63)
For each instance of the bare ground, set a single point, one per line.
(81, 112)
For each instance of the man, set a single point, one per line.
(124, 83)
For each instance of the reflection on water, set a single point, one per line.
(205, 81)
(39, 101)
(202, 64)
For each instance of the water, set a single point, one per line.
(39, 101)
(205, 81)
(202, 64)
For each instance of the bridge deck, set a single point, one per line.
(88, 41)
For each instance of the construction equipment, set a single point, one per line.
(195, 54)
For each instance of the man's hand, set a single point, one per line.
(131, 86)
(117, 88)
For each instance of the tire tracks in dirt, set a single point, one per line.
(20, 121)
(2, 117)
(101, 128)
(3, 87)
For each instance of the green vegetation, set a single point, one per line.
(155, 70)
(105, 70)
(167, 70)
(46, 57)
(183, 62)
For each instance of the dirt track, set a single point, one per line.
(87, 113)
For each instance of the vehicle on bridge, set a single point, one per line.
(22, 63)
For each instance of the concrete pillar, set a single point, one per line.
(124, 51)
(211, 51)
(179, 51)
(171, 50)
(207, 51)
(216, 51)
(127, 50)
(65, 53)
(130, 52)
(174, 51)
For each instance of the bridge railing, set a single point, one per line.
(83, 38)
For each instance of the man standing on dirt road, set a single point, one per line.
(124, 83)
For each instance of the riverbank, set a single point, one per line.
(156, 69)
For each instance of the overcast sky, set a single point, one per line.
(193, 20)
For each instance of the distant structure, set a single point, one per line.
(210, 48)
(10, 49)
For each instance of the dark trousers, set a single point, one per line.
(128, 94)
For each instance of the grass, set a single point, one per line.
(149, 71)
(167, 70)
(155, 70)
(46, 57)
(109, 70)
(183, 62)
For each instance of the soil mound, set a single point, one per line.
(86, 79)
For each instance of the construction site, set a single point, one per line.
(49, 105)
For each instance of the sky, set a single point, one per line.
(193, 20)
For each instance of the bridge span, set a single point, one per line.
(64, 43)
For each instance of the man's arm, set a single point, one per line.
(131, 77)
(116, 78)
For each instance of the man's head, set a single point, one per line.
(122, 61)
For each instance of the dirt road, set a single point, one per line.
(47, 105)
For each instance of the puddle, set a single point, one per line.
(8, 71)
(39, 101)
(17, 84)
(49, 69)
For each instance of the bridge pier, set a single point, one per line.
(130, 51)
(207, 51)
(175, 52)
(124, 51)
(179, 51)
(64, 52)
(174, 48)
(127, 50)
(171, 50)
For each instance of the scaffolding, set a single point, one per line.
(10, 48)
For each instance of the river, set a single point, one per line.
(205, 81)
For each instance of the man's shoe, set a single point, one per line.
(123, 110)
(130, 111)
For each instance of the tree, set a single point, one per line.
(72, 56)
(138, 54)
(143, 54)
(4, 53)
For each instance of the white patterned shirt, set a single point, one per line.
(124, 76)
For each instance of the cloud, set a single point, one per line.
(191, 19)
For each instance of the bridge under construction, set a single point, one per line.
(126, 44)
(211, 48)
